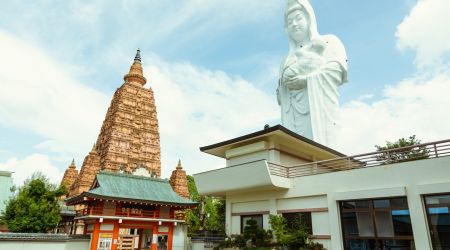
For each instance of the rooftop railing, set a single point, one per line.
(385, 157)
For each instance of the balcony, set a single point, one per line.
(393, 156)
(253, 175)
(265, 175)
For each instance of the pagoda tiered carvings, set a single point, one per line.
(129, 137)
(90, 167)
(178, 181)
(70, 175)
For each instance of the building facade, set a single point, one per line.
(6, 183)
(397, 199)
(127, 212)
(118, 197)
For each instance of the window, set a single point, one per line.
(304, 217)
(376, 224)
(256, 217)
(437, 208)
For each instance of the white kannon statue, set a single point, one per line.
(310, 76)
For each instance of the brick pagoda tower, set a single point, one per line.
(129, 138)
(70, 175)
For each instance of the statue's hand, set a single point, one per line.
(296, 83)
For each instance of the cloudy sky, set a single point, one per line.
(213, 66)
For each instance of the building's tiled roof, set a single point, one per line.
(66, 210)
(127, 187)
(41, 237)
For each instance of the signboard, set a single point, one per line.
(104, 242)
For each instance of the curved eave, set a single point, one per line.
(80, 199)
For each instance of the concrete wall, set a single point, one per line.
(179, 237)
(45, 245)
(321, 193)
(6, 183)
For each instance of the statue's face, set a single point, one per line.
(297, 25)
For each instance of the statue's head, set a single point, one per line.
(300, 22)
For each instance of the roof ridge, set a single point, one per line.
(103, 172)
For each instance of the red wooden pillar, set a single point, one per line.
(154, 236)
(95, 235)
(170, 237)
(115, 236)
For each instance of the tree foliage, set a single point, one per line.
(257, 236)
(398, 153)
(209, 215)
(294, 236)
(35, 208)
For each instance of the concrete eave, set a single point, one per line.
(280, 138)
(244, 177)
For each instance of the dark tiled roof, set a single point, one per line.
(41, 237)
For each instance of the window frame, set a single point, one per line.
(251, 216)
(426, 207)
(308, 222)
(372, 211)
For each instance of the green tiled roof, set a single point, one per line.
(137, 188)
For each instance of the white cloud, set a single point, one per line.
(198, 107)
(416, 106)
(425, 30)
(24, 168)
(38, 96)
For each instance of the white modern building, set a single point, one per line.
(6, 183)
(396, 199)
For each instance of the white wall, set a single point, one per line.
(411, 179)
(44, 245)
(289, 160)
(179, 237)
(255, 156)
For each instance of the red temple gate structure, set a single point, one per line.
(125, 211)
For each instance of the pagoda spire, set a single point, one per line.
(72, 164)
(136, 74)
(138, 55)
(179, 165)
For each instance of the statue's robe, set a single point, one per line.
(313, 111)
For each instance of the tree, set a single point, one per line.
(405, 152)
(209, 215)
(257, 236)
(35, 208)
(294, 236)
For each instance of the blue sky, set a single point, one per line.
(213, 66)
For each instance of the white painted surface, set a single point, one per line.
(253, 175)
(45, 245)
(310, 202)
(242, 207)
(254, 156)
(310, 76)
(290, 160)
(320, 223)
(247, 149)
(179, 237)
(235, 227)
(6, 183)
(410, 179)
